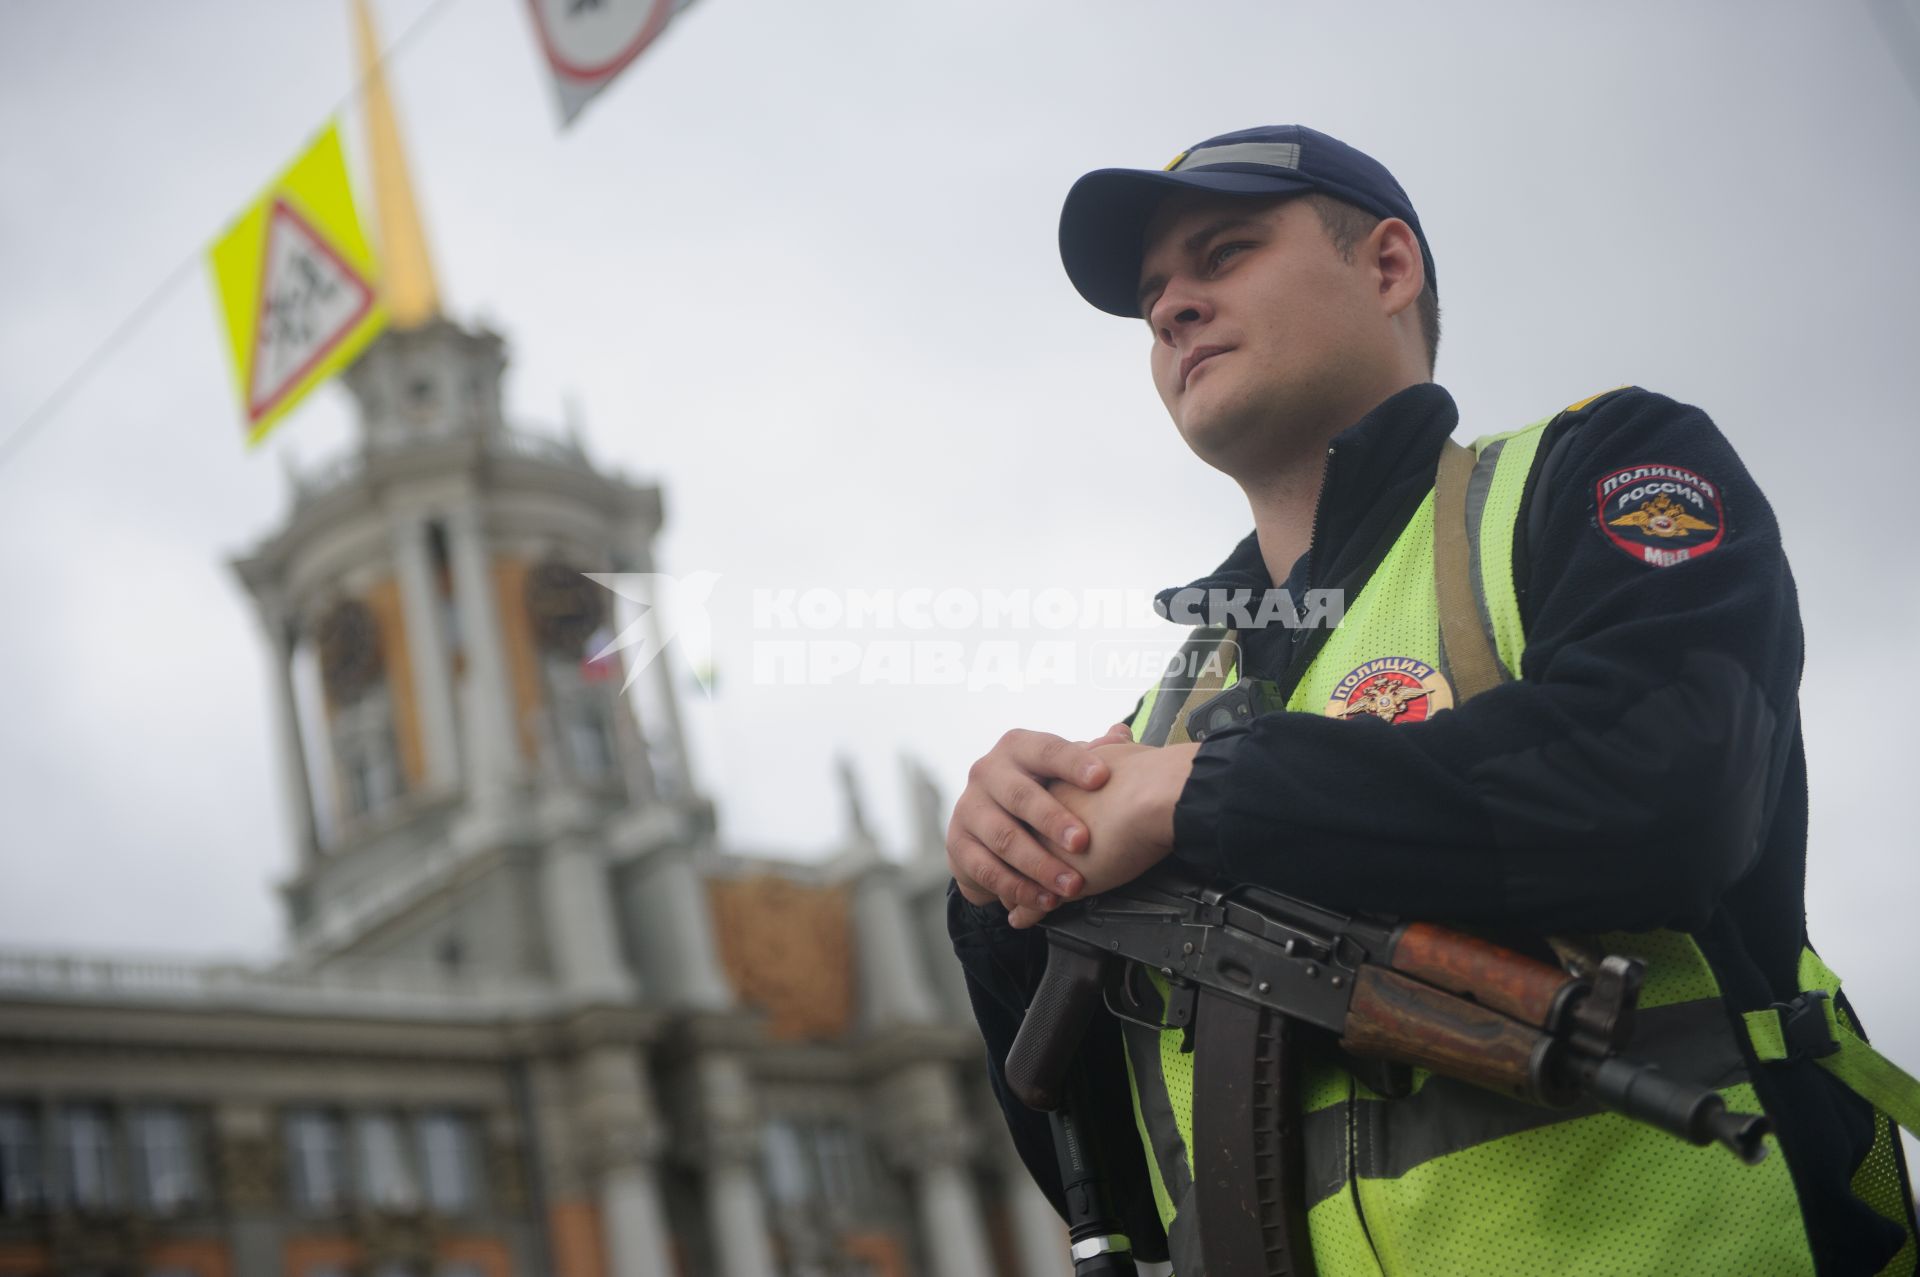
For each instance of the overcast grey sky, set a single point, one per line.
(799, 266)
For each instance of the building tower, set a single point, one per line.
(473, 796)
(451, 752)
(534, 1020)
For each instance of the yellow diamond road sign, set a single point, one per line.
(297, 286)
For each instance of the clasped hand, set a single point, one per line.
(1044, 819)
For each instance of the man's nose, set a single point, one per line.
(1179, 306)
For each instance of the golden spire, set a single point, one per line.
(412, 296)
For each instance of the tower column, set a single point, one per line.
(662, 674)
(1039, 1235)
(640, 559)
(583, 937)
(672, 924)
(950, 1214)
(486, 698)
(624, 1132)
(636, 768)
(426, 650)
(298, 791)
(933, 1144)
(736, 1210)
(894, 990)
(639, 1243)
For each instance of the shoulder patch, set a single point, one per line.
(1659, 514)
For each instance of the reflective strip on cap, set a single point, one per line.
(1273, 154)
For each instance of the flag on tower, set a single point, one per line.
(589, 42)
(597, 662)
(297, 286)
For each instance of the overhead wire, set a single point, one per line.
(49, 408)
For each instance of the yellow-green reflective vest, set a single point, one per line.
(1453, 1180)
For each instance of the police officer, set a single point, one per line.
(1629, 771)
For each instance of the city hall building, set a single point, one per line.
(533, 1018)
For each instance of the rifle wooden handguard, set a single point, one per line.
(1401, 1019)
(1529, 990)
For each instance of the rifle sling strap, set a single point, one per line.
(1199, 673)
(1472, 665)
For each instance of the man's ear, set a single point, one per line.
(1395, 253)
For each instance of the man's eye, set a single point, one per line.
(1220, 254)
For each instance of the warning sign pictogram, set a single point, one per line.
(297, 286)
(310, 301)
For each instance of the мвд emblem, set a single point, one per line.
(1659, 514)
(1394, 689)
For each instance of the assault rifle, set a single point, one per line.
(1247, 969)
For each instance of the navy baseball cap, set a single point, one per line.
(1104, 222)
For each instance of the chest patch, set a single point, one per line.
(1394, 689)
(1659, 514)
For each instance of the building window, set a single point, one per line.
(846, 1165)
(369, 763)
(448, 1166)
(584, 701)
(21, 1187)
(86, 1141)
(815, 1161)
(166, 1159)
(370, 781)
(783, 1159)
(386, 1172)
(590, 739)
(316, 1162)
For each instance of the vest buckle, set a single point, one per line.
(1804, 1028)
